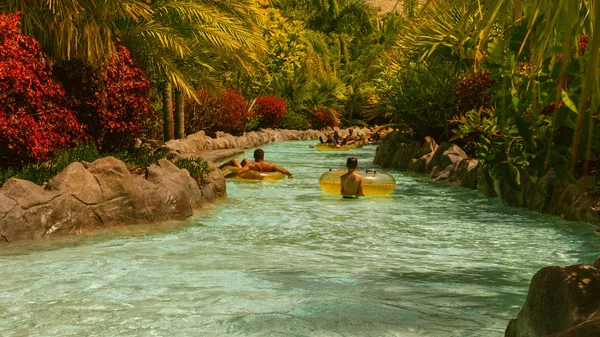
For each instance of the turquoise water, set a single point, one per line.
(283, 259)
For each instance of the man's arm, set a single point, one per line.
(282, 170)
(243, 170)
(360, 187)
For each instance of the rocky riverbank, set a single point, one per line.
(86, 196)
(562, 301)
(448, 162)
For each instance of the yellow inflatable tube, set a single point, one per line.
(375, 183)
(329, 147)
(251, 176)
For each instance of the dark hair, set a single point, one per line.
(352, 163)
(259, 154)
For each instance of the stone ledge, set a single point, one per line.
(448, 162)
(103, 193)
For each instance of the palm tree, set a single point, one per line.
(179, 42)
(76, 29)
(186, 41)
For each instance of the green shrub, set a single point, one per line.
(295, 121)
(40, 173)
(135, 159)
(197, 167)
(421, 97)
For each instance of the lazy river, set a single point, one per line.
(285, 259)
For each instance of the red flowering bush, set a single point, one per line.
(228, 113)
(112, 102)
(270, 109)
(34, 121)
(582, 44)
(325, 118)
(471, 93)
(234, 114)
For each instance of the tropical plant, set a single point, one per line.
(34, 118)
(226, 112)
(112, 102)
(421, 97)
(270, 109)
(180, 43)
(529, 33)
(186, 41)
(77, 29)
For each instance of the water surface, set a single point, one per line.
(284, 259)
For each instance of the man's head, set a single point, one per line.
(352, 163)
(259, 155)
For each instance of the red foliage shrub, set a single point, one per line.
(325, 118)
(34, 121)
(582, 44)
(113, 102)
(270, 109)
(471, 93)
(228, 113)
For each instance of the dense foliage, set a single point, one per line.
(113, 102)
(270, 109)
(34, 121)
(227, 112)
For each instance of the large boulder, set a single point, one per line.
(90, 195)
(395, 151)
(423, 157)
(483, 185)
(538, 197)
(462, 173)
(446, 154)
(562, 301)
(37, 213)
(195, 142)
(216, 186)
(181, 190)
(78, 182)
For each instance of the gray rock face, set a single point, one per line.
(199, 141)
(395, 152)
(562, 302)
(85, 196)
(98, 194)
(448, 162)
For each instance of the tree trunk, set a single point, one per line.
(168, 112)
(179, 114)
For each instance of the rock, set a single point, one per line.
(467, 173)
(418, 165)
(539, 200)
(562, 301)
(403, 155)
(483, 186)
(60, 215)
(216, 187)
(6, 205)
(90, 195)
(449, 155)
(182, 190)
(26, 194)
(589, 328)
(192, 143)
(429, 147)
(78, 182)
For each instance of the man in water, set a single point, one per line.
(259, 165)
(351, 181)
